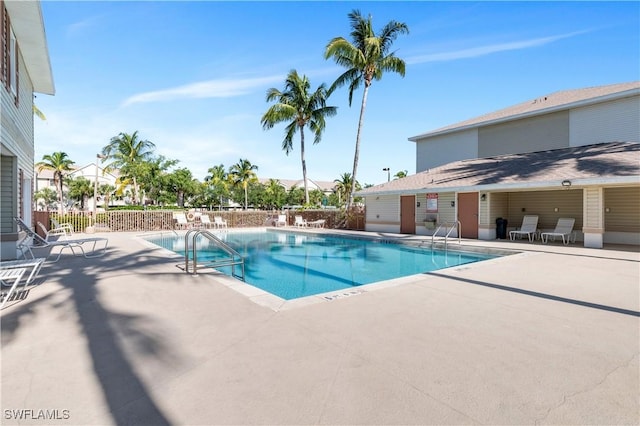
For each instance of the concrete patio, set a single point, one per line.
(547, 336)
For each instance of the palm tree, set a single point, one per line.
(59, 163)
(46, 198)
(242, 173)
(344, 186)
(401, 174)
(366, 58)
(79, 189)
(126, 152)
(299, 108)
(217, 178)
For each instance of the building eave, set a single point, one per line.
(28, 26)
(510, 187)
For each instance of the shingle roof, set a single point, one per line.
(613, 162)
(555, 101)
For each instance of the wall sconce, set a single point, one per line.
(566, 183)
(453, 204)
(418, 204)
(483, 197)
(555, 209)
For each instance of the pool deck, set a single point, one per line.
(547, 336)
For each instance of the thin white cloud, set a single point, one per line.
(221, 88)
(487, 50)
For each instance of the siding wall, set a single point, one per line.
(499, 207)
(383, 209)
(606, 122)
(593, 207)
(540, 133)
(624, 209)
(16, 158)
(440, 150)
(8, 200)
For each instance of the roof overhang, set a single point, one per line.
(512, 187)
(28, 26)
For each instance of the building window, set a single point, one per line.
(9, 45)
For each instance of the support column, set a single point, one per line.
(593, 217)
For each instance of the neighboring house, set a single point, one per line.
(572, 153)
(25, 69)
(326, 187)
(44, 179)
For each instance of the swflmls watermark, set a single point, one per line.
(41, 414)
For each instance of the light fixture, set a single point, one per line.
(483, 197)
(418, 204)
(388, 170)
(453, 204)
(566, 183)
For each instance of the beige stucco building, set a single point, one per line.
(25, 69)
(573, 153)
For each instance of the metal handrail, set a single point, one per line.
(234, 257)
(453, 225)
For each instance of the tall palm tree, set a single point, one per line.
(126, 152)
(299, 108)
(59, 163)
(366, 58)
(242, 173)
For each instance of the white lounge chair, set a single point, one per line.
(300, 222)
(206, 222)
(564, 229)
(317, 223)
(219, 222)
(98, 244)
(529, 228)
(181, 221)
(281, 221)
(8, 275)
(34, 264)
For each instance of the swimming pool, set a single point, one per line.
(294, 265)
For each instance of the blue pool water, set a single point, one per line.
(292, 265)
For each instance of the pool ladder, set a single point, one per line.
(191, 265)
(454, 225)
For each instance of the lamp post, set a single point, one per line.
(388, 170)
(95, 188)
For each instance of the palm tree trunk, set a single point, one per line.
(135, 191)
(304, 166)
(356, 155)
(246, 197)
(59, 190)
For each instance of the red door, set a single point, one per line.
(408, 214)
(468, 214)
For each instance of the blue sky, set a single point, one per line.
(192, 76)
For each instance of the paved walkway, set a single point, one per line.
(548, 336)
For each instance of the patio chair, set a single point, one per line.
(58, 227)
(181, 221)
(281, 221)
(219, 222)
(564, 229)
(529, 228)
(98, 244)
(206, 222)
(316, 223)
(8, 275)
(300, 222)
(34, 264)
